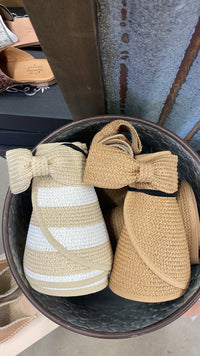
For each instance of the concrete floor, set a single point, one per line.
(181, 338)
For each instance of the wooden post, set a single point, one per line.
(67, 33)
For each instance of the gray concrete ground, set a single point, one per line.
(180, 338)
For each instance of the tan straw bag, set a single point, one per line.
(152, 262)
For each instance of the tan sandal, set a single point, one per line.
(7, 38)
(20, 68)
(188, 206)
(14, 315)
(3, 262)
(8, 287)
(19, 30)
(193, 311)
(21, 325)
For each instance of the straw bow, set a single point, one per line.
(111, 162)
(49, 160)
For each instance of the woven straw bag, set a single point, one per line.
(152, 260)
(67, 250)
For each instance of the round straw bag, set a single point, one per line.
(103, 314)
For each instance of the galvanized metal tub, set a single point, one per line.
(103, 314)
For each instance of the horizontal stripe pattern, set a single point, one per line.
(82, 237)
(51, 263)
(101, 254)
(37, 240)
(67, 250)
(72, 238)
(54, 263)
(86, 286)
(68, 278)
(51, 284)
(72, 216)
(73, 291)
(66, 196)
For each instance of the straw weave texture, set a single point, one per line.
(67, 251)
(188, 207)
(152, 261)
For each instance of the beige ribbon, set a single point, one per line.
(49, 160)
(111, 162)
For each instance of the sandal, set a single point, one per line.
(21, 325)
(8, 287)
(14, 315)
(7, 38)
(20, 68)
(17, 31)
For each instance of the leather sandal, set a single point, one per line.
(21, 325)
(14, 315)
(15, 30)
(7, 37)
(20, 68)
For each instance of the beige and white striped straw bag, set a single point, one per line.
(67, 250)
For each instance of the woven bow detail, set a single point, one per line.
(50, 160)
(111, 162)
